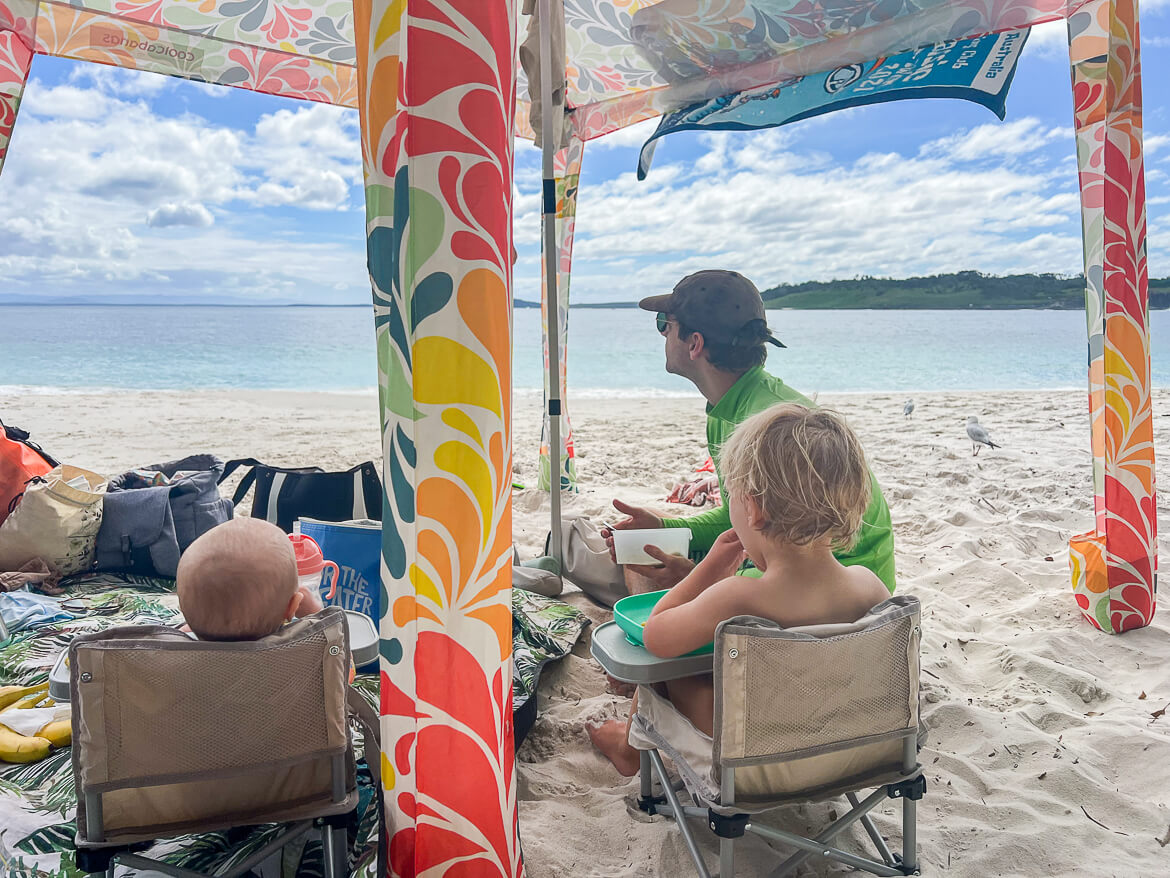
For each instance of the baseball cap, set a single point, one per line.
(723, 305)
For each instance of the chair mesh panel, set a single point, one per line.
(829, 690)
(194, 711)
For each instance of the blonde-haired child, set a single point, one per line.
(797, 486)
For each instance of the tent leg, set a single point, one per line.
(550, 251)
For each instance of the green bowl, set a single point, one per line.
(632, 612)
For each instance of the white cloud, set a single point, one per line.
(315, 190)
(1000, 141)
(63, 102)
(996, 198)
(96, 183)
(311, 155)
(115, 81)
(1049, 41)
(194, 215)
(1152, 143)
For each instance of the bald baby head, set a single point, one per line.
(238, 581)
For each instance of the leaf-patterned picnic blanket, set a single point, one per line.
(38, 800)
(543, 629)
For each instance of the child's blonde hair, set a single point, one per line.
(805, 470)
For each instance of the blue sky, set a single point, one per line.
(137, 186)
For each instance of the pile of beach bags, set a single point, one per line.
(58, 520)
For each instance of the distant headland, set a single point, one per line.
(964, 290)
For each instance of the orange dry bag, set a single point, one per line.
(21, 461)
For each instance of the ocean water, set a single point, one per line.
(611, 351)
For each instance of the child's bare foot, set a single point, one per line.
(611, 738)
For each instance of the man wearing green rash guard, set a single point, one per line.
(716, 336)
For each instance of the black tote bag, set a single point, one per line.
(284, 494)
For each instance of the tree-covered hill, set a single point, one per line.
(966, 289)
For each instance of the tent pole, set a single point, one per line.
(548, 217)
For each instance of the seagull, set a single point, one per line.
(979, 435)
(908, 408)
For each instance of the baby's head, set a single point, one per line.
(238, 581)
(805, 472)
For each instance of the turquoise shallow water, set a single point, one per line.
(611, 351)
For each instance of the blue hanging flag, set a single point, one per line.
(978, 70)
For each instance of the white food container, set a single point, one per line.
(627, 544)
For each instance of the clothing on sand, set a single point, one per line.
(755, 391)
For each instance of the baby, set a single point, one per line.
(797, 486)
(239, 582)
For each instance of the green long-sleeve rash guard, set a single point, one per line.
(755, 391)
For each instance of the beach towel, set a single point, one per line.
(24, 609)
(699, 491)
(38, 803)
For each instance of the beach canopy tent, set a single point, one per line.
(440, 99)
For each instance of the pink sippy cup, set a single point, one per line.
(310, 563)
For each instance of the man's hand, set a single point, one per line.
(674, 568)
(637, 518)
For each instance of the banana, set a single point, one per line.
(59, 733)
(12, 694)
(37, 699)
(21, 748)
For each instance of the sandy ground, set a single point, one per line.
(1044, 758)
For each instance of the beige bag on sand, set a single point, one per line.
(55, 521)
(586, 561)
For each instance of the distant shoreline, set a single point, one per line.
(525, 305)
(958, 291)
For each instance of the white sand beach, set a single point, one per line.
(1047, 753)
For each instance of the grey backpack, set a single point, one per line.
(148, 521)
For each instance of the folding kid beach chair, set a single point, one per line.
(801, 714)
(173, 736)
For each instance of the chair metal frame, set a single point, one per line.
(907, 784)
(728, 829)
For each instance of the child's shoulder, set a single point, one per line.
(864, 589)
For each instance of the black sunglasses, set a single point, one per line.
(662, 321)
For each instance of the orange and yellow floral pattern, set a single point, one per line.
(437, 104)
(1114, 566)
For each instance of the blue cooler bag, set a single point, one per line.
(355, 547)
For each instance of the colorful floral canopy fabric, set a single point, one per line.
(300, 49)
(628, 60)
(625, 60)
